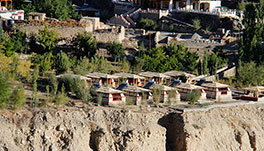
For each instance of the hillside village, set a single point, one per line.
(127, 52)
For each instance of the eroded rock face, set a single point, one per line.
(109, 129)
(232, 128)
(77, 130)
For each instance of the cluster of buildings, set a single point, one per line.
(137, 88)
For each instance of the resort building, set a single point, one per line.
(217, 91)
(131, 79)
(254, 93)
(158, 78)
(185, 88)
(135, 94)
(111, 96)
(104, 79)
(179, 75)
(165, 90)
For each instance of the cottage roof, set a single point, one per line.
(188, 86)
(153, 74)
(108, 90)
(74, 75)
(128, 75)
(179, 73)
(162, 87)
(37, 14)
(98, 75)
(135, 89)
(255, 88)
(196, 36)
(214, 85)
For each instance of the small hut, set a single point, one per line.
(254, 93)
(131, 79)
(185, 88)
(158, 78)
(179, 75)
(217, 91)
(135, 94)
(104, 79)
(111, 96)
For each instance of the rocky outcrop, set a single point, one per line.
(78, 130)
(117, 129)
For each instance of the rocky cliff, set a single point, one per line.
(113, 129)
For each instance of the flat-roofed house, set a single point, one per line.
(185, 88)
(104, 79)
(131, 79)
(158, 78)
(111, 96)
(135, 94)
(217, 91)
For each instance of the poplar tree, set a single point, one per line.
(251, 47)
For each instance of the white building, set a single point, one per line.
(11, 14)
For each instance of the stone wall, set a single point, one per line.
(64, 32)
(110, 35)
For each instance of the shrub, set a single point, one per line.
(85, 45)
(62, 63)
(76, 86)
(18, 98)
(53, 82)
(44, 62)
(35, 77)
(193, 96)
(148, 24)
(196, 24)
(156, 95)
(83, 66)
(5, 90)
(61, 98)
(48, 39)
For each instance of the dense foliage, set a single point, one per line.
(148, 24)
(172, 57)
(84, 45)
(5, 90)
(116, 50)
(60, 9)
(62, 62)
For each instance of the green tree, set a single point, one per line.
(35, 85)
(241, 6)
(251, 42)
(148, 24)
(62, 62)
(5, 90)
(249, 74)
(60, 9)
(116, 50)
(205, 63)
(83, 66)
(18, 98)
(85, 45)
(100, 64)
(125, 66)
(19, 38)
(48, 39)
(196, 24)
(44, 61)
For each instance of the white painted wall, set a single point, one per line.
(214, 4)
